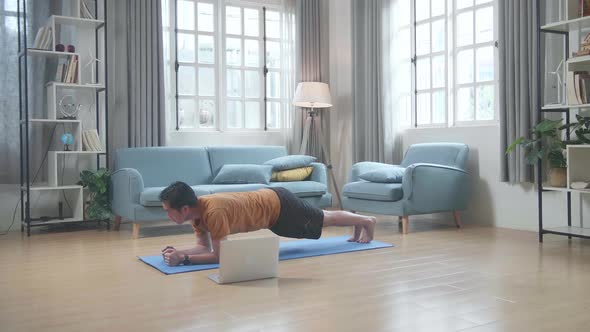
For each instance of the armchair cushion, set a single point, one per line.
(388, 192)
(243, 174)
(393, 174)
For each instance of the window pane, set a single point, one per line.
(234, 83)
(252, 114)
(187, 80)
(423, 74)
(251, 84)
(206, 82)
(252, 55)
(484, 24)
(233, 20)
(438, 107)
(205, 17)
(423, 9)
(423, 39)
(405, 113)
(186, 47)
(273, 117)
(464, 3)
(186, 113)
(11, 6)
(465, 66)
(402, 13)
(273, 54)
(485, 102)
(465, 28)
(233, 51)
(273, 24)
(206, 49)
(186, 15)
(273, 85)
(485, 64)
(438, 7)
(423, 108)
(206, 113)
(234, 114)
(251, 22)
(438, 71)
(438, 36)
(465, 104)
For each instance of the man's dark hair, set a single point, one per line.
(178, 195)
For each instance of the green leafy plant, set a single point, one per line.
(97, 183)
(545, 140)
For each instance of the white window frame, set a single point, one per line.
(450, 52)
(220, 66)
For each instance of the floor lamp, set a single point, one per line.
(313, 95)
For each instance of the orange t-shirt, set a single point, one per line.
(223, 214)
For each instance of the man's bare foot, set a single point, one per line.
(357, 234)
(368, 231)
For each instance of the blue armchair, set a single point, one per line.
(434, 180)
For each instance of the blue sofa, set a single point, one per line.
(434, 180)
(142, 173)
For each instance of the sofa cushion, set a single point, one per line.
(160, 166)
(389, 192)
(296, 174)
(243, 174)
(250, 154)
(302, 188)
(224, 188)
(150, 196)
(290, 162)
(392, 174)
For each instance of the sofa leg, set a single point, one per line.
(405, 221)
(117, 225)
(135, 231)
(457, 217)
(399, 221)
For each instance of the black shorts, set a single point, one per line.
(297, 219)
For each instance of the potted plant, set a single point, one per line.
(545, 144)
(97, 182)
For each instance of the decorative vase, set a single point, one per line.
(558, 176)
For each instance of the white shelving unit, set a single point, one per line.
(578, 155)
(88, 36)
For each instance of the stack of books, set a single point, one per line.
(43, 39)
(67, 70)
(584, 47)
(578, 87)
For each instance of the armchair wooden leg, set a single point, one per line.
(405, 221)
(135, 231)
(457, 217)
(117, 223)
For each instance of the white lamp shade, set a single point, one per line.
(312, 94)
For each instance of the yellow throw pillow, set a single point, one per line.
(295, 174)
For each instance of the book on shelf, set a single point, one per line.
(583, 8)
(578, 87)
(43, 39)
(91, 141)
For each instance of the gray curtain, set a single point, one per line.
(372, 124)
(519, 83)
(145, 71)
(311, 66)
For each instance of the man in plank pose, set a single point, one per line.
(216, 216)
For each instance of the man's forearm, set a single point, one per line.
(199, 249)
(204, 258)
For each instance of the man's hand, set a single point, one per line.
(172, 257)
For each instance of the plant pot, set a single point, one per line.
(558, 177)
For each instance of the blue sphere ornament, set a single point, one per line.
(67, 139)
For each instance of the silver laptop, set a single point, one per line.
(247, 259)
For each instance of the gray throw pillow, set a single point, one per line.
(243, 174)
(393, 174)
(290, 162)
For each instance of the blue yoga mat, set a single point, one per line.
(288, 250)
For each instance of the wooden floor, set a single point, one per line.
(437, 278)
